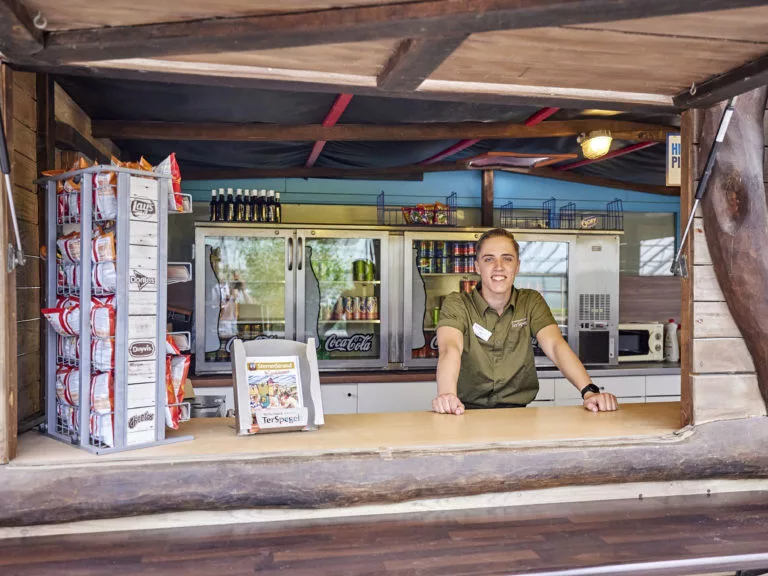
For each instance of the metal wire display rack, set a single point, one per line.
(135, 279)
(445, 215)
(568, 217)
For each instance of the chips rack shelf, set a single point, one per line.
(140, 305)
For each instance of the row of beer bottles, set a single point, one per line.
(248, 206)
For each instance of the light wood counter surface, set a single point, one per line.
(215, 438)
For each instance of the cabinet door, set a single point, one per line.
(342, 296)
(546, 390)
(396, 397)
(666, 385)
(243, 289)
(339, 398)
(622, 386)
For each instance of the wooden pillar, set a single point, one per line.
(689, 134)
(8, 384)
(736, 223)
(486, 217)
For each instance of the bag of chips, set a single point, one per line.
(102, 428)
(67, 416)
(170, 346)
(68, 348)
(441, 214)
(176, 369)
(68, 385)
(104, 277)
(102, 319)
(102, 247)
(103, 354)
(170, 168)
(101, 421)
(65, 321)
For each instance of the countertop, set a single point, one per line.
(384, 376)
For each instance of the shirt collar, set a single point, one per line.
(482, 306)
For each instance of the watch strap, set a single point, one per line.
(590, 388)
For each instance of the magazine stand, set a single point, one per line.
(309, 379)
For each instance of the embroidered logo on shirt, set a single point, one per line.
(519, 323)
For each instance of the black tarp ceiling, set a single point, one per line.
(114, 99)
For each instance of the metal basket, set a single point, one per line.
(393, 215)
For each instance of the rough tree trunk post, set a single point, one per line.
(736, 221)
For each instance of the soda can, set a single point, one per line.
(427, 248)
(457, 262)
(358, 270)
(470, 248)
(425, 266)
(357, 308)
(338, 309)
(442, 265)
(456, 249)
(371, 305)
(348, 307)
(441, 250)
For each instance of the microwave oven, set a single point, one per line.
(641, 342)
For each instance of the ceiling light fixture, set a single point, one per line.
(595, 144)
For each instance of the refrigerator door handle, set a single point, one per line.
(300, 258)
(290, 254)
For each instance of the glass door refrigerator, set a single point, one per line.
(342, 296)
(244, 288)
(437, 264)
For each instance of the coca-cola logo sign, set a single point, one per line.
(433, 342)
(353, 343)
(142, 208)
(142, 349)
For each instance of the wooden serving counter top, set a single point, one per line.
(354, 433)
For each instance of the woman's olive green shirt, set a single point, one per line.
(501, 370)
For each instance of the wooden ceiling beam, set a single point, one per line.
(429, 18)
(19, 38)
(414, 60)
(128, 130)
(597, 181)
(723, 86)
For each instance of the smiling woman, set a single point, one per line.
(486, 360)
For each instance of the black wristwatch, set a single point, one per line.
(589, 388)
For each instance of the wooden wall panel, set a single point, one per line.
(705, 285)
(649, 298)
(700, 248)
(67, 111)
(721, 355)
(726, 397)
(713, 320)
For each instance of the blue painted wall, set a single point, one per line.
(524, 191)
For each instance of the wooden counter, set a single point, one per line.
(353, 433)
(378, 459)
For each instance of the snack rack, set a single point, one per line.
(137, 410)
(566, 218)
(393, 215)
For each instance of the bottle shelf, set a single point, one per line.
(349, 322)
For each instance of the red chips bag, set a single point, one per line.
(176, 369)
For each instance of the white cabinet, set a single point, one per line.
(622, 386)
(546, 390)
(662, 385)
(662, 399)
(396, 397)
(339, 398)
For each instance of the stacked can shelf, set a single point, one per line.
(106, 367)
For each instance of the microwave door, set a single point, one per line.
(634, 343)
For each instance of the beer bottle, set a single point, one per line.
(239, 212)
(262, 205)
(246, 205)
(271, 206)
(252, 216)
(278, 208)
(221, 207)
(213, 208)
(230, 206)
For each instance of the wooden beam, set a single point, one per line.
(597, 181)
(174, 72)
(615, 154)
(396, 173)
(735, 216)
(128, 130)
(68, 138)
(337, 109)
(428, 19)
(414, 60)
(723, 86)
(486, 205)
(18, 36)
(450, 151)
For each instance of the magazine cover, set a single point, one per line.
(274, 392)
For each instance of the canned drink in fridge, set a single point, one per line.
(357, 308)
(441, 249)
(348, 307)
(457, 264)
(427, 248)
(358, 270)
(456, 249)
(371, 305)
(470, 248)
(338, 309)
(442, 265)
(425, 266)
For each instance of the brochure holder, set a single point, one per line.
(258, 406)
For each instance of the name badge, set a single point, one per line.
(481, 332)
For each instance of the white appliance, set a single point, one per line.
(641, 342)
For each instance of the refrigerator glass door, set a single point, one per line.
(341, 296)
(244, 285)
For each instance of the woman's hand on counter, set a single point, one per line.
(447, 404)
(603, 402)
